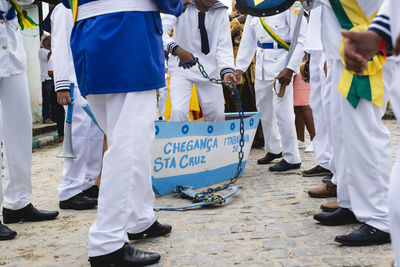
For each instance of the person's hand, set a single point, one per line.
(64, 98)
(396, 49)
(285, 77)
(230, 77)
(185, 56)
(238, 76)
(359, 47)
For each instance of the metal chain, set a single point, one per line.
(209, 195)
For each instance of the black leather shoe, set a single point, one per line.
(6, 233)
(78, 202)
(339, 217)
(155, 230)
(316, 171)
(283, 165)
(92, 192)
(268, 158)
(28, 214)
(366, 235)
(126, 256)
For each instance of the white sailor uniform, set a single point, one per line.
(387, 25)
(119, 72)
(217, 62)
(16, 111)
(361, 143)
(270, 61)
(87, 139)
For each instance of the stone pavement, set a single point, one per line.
(268, 223)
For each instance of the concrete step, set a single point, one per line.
(41, 128)
(45, 139)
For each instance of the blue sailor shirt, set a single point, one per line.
(121, 51)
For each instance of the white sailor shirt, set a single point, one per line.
(187, 35)
(12, 52)
(270, 62)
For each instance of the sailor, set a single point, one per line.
(383, 34)
(119, 63)
(361, 143)
(203, 31)
(16, 125)
(270, 38)
(76, 190)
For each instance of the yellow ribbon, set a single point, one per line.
(25, 22)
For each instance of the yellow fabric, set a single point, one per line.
(74, 8)
(374, 67)
(24, 21)
(194, 105)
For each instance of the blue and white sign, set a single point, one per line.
(199, 153)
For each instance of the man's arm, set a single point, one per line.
(247, 48)
(168, 22)
(286, 75)
(61, 31)
(44, 54)
(295, 61)
(225, 59)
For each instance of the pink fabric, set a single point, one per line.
(301, 92)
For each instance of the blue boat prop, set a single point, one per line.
(191, 155)
(199, 153)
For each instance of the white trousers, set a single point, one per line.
(211, 98)
(362, 152)
(87, 144)
(277, 118)
(394, 196)
(17, 136)
(162, 100)
(126, 197)
(320, 104)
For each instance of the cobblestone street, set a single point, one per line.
(268, 223)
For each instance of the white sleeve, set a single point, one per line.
(225, 59)
(382, 23)
(247, 46)
(168, 23)
(43, 54)
(61, 28)
(298, 54)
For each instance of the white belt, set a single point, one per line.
(101, 7)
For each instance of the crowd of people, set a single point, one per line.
(295, 68)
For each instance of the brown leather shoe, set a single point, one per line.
(328, 190)
(330, 206)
